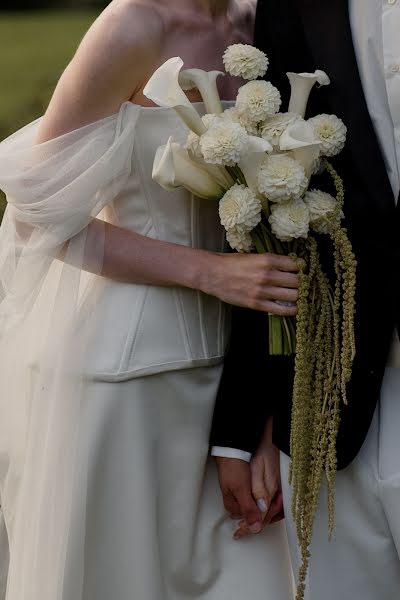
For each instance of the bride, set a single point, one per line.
(113, 327)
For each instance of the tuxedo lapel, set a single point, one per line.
(328, 34)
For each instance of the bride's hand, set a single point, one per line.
(255, 281)
(266, 483)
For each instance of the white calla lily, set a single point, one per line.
(220, 174)
(250, 162)
(173, 168)
(302, 84)
(257, 145)
(299, 134)
(300, 140)
(163, 89)
(206, 83)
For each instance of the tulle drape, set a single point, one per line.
(50, 259)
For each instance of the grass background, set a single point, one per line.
(34, 50)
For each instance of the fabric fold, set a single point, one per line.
(48, 299)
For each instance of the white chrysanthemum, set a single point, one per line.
(272, 129)
(258, 100)
(240, 209)
(239, 240)
(321, 205)
(193, 144)
(243, 60)
(224, 143)
(232, 114)
(290, 220)
(281, 178)
(331, 131)
(193, 140)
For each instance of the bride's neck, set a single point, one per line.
(212, 8)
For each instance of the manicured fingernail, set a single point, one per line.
(262, 505)
(255, 528)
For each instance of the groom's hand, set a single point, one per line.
(265, 482)
(236, 487)
(267, 489)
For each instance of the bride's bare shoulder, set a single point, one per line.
(113, 61)
(132, 24)
(138, 15)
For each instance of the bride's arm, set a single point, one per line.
(251, 280)
(111, 66)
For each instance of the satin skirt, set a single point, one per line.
(148, 521)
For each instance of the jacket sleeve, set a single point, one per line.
(243, 404)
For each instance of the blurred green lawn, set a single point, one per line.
(34, 50)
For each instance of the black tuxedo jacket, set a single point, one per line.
(301, 36)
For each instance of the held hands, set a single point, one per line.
(236, 487)
(252, 493)
(256, 281)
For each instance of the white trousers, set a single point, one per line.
(4, 556)
(363, 559)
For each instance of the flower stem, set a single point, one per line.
(275, 336)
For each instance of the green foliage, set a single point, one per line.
(36, 47)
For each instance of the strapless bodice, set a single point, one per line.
(152, 328)
(146, 208)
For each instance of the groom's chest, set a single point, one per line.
(304, 35)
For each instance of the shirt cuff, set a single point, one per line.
(231, 453)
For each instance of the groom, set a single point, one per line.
(357, 42)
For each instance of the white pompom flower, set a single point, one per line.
(243, 60)
(224, 143)
(290, 220)
(193, 145)
(321, 206)
(331, 132)
(232, 114)
(239, 240)
(258, 100)
(272, 128)
(193, 140)
(209, 119)
(281, 178)
(240, 209)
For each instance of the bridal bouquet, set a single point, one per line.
(258, 162)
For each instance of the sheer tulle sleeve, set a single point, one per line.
(47, 317)
(54, 190)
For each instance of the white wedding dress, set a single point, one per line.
(107, 389)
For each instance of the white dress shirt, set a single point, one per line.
(375, 26)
